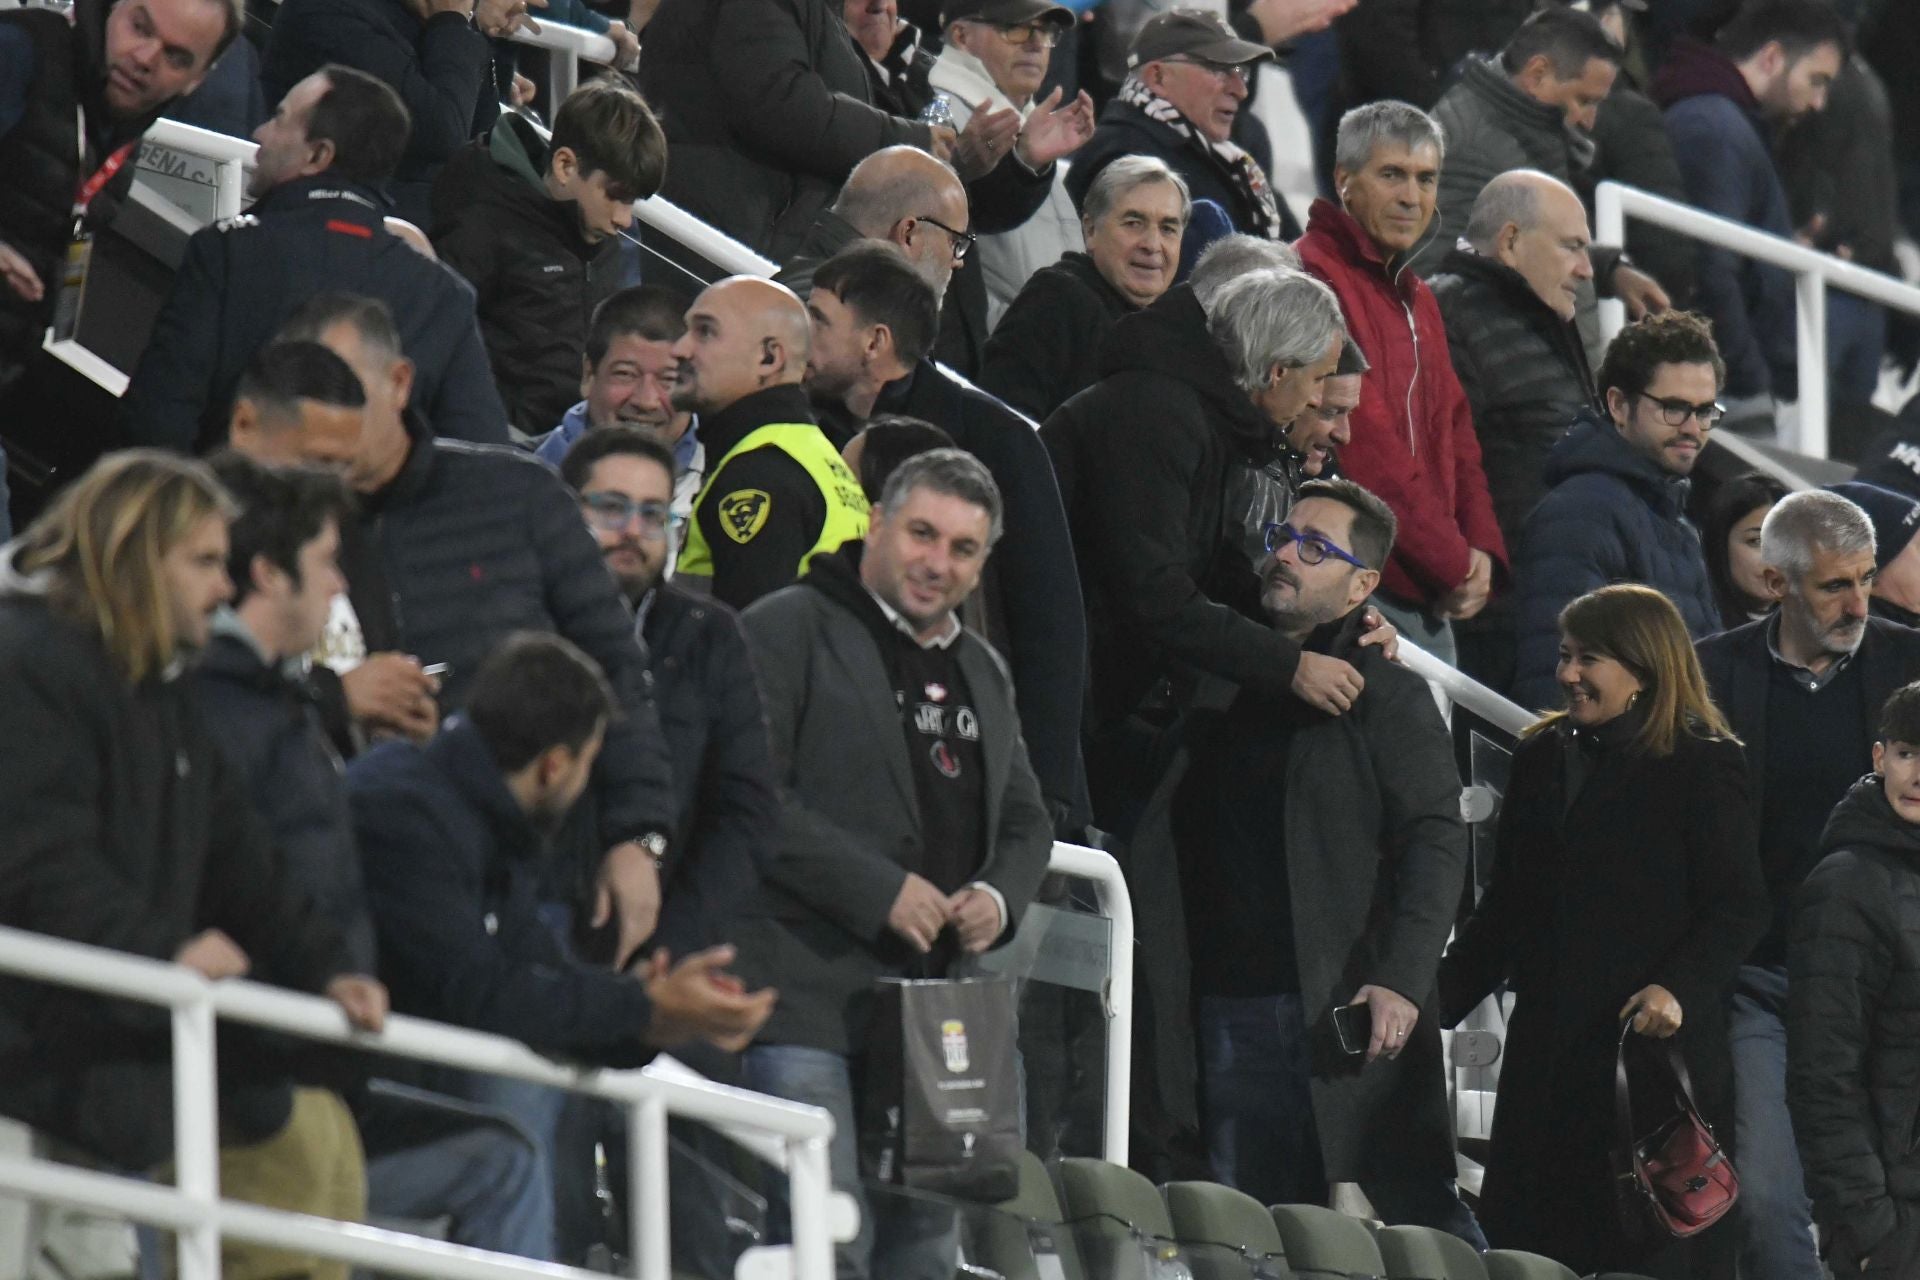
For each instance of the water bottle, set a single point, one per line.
(939, 111)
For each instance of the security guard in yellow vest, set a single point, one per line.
(778, 493)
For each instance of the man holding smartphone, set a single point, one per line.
(1316, 910)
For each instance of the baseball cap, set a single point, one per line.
(1895, 517)
(1008, 13)
(1193, 33)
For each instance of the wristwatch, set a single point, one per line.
(655, 845)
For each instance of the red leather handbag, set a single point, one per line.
(1673, 1176)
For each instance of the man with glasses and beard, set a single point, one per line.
(1617, 507)
(1315, 910)
(1803, 690)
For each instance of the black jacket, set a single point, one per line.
(1612, 515)
(716, 730)
(126, 829)
(1034, 604)
(1125, 130)
(46, 158)
(1631, 146)
(242, 279)
(442, 68)
(769, 109)
(453, 872)
(271, 735)
(1047, 345)
(1853, 1024)
(470, 543)
(1375, 857)
(1410, 49)
(1523, 369)
(1145, 458)
(1738, 665)
(850, 823)
(537, 278)
(1646, 874)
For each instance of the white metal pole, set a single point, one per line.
(807, 1170)
(196, 1143)
(1610, 228)
(563, 77)
(650, 1208)
(1810, 289)
(231, 188)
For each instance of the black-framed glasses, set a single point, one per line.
(613, 512)
(1022, 34)
(1675, 412)
(1241, 71)
(963, 241)
(1314, 549)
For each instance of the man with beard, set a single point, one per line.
(703, 683)
(777, 492)
(628, 380)
(1335, 888)
(1803, 690)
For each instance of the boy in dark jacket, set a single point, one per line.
(535, 227)
(1852, 1035)
(1617, 509)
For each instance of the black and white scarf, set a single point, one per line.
(1242, 170)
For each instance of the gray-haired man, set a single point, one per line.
(1802, 689)
(911, 830)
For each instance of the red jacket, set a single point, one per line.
(1413, 440)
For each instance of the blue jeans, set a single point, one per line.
(1256, 1082)
(900, 1238)
(1856, 343)
(1776, 1219)
(535, 1108)
(474, 1166)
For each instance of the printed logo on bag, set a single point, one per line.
(953, 1043)
(743, 513)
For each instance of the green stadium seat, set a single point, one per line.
(1516, 1264)
(1120, 1224)
(1323, 1245)
(1422, 1253)
(1224, 1231)
(1001, 1238)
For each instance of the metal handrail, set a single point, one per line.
(1463, 690)
(1110, 890)
(567, 47)
(1813, 272)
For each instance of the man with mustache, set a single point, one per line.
(1803, 689)
(628, 379)
(1617, 509)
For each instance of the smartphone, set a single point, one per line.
(438, 670)
(1353, 1027)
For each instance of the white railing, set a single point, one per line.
(231, 157)
(1813, 273)
(1451, 686)
(194, 1211)
(786, 1134)
(567, 47)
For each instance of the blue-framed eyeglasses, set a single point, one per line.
(1313, 548)
(613, 512)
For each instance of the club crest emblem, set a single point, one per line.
(953, 1044)
(743, 513)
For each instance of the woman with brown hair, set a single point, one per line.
(1626, 884)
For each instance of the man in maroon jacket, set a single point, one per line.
(1413, 441)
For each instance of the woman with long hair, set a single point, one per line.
(1730, 537)
(1626, 885)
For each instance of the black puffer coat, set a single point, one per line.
(1523, 369)
(1853, 1024)
(1047, 345)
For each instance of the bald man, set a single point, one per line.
(1510, 302)
(778, 494)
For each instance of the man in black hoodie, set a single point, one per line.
(1162, 464)
(1853, 1038)
(534, 226)
(912, 831)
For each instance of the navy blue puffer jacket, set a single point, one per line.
(1613, 515)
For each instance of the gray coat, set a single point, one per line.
(1376, 858)
(849, 823)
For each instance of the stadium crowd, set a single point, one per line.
(464, 617)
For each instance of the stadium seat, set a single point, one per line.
(1422, 1253)
(1325, 1244)
(999, 1237)
(1120, 1224)
(1517, 1264)
(1223, 1230)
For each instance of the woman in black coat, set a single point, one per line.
(1627, 881)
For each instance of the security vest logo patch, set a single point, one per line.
(743, 513)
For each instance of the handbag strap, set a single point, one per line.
(1623, 1092)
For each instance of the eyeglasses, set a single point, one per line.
(1046, 34)
(613, 512)
(962, 240)
(1314, 549)
(1676, 412)
(1222, 71)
